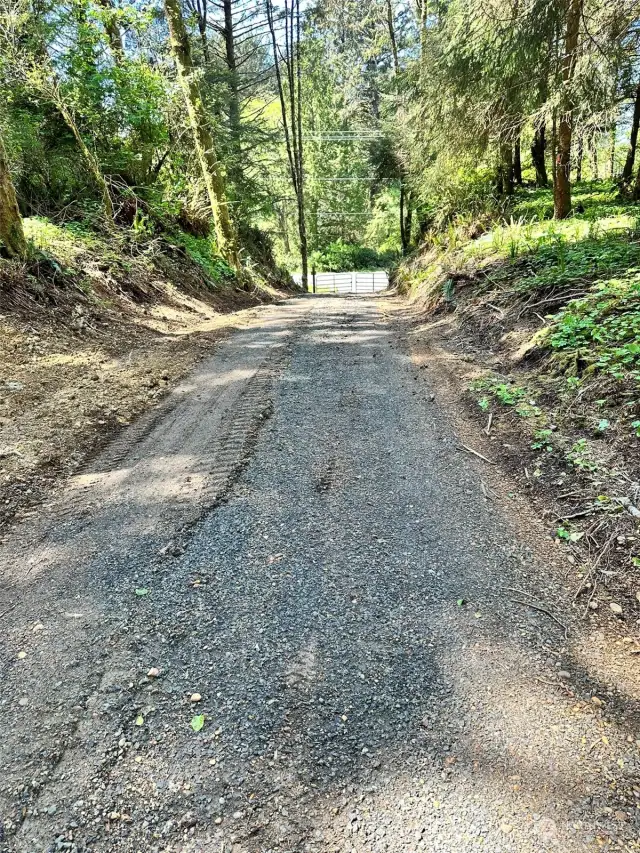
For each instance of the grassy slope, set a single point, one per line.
(93, 332)
(549, 314)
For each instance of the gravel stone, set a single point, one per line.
(324, 526)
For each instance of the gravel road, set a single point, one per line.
(293, 555)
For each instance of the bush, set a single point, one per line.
(345, 257)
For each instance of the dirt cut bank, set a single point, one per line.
(92, 335)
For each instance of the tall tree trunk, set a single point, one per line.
(209, 164)
(517, 162)
(304, 249)
(292, 112)
(392, 37)
(538, 155)
(404, 239)
(232, 67)
(11, 233)
(202, 29)
(562, 187)
(505, 170)
(554, 150)
(612, 153)
(627, 172)
(579, 159)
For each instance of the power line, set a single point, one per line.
(339, 180)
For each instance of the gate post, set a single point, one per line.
(313, 278)
(354, 282)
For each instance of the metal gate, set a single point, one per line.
(347, 282)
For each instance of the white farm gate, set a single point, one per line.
(347, 282)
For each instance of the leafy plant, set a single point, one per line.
(345, 257)
(569, 535)
(508, 395)
(580, 456)
(541, 440)
(603, 328)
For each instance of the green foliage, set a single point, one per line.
(455, 191)
(508, 395)
(603, 327)
(202, 250)
(580, 456)
(558, 262)
(542, 440)
(592, 200)
(344, 257)
(569, 535)
(197, 722)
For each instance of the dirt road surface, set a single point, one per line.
(285, 613)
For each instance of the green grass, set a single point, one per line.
(69, 244)
(598, 199)
(581, 274)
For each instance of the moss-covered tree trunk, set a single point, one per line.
(562, 185)
(11, 232)
(209, 163)
(90, 158)
(110, 23)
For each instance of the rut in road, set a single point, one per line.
(314, 557)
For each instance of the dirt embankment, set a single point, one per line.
(86, 349)
(571, 453)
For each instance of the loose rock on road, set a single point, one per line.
(272, 618)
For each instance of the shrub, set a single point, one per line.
(344, 257)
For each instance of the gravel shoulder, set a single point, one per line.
(293, 555)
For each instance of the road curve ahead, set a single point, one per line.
(272, 617)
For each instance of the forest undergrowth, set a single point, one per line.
(544, 320)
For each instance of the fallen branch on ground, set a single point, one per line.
(541, 609)
(475, 453)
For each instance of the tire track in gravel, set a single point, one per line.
(137, 500)
(367, 686)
